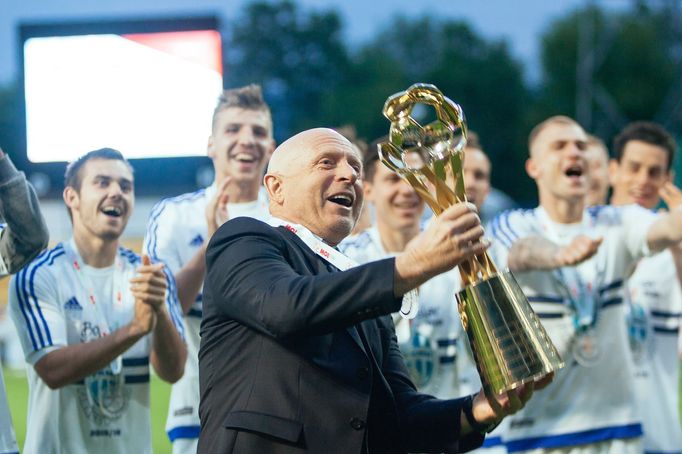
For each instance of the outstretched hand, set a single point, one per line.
(577, 251)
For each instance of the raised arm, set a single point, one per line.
(252, 282)
(538, 253)
(665, 231)
(25, 234)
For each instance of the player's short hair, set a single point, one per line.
(556, 119)
(648, 132)
(249, 97)
(73, 177)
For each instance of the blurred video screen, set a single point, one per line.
(148, 94)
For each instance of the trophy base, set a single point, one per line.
(509, 343)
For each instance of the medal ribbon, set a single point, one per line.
(410, 305)
(582, 296)
(86, 283)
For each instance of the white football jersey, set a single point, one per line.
(591, 399)
(653, 324)
(53, 305)
(175, 232)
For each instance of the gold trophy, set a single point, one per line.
(509, 343)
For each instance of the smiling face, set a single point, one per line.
(314, 180)
(558, 163)
(241, 144)
(640, 174)
(396, 203)
(102, 205)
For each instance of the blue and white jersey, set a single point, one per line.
(589, 401)
(175, 233)
(107, 412)
(654, 316)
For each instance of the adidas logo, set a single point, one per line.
(73, 305)
(197, 241)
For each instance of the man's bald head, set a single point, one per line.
(287, 157)
(313, 179)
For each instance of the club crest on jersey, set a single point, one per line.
(103, 398)
(638, 333)
(421, 359)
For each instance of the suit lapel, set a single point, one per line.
(321, 266)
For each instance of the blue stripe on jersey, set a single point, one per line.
(499, 234)
(549, 314)
(665, 330)
(662, 452)
(447, 359)
(549, 299)
(612, 302)
(152, 225)
(35, 298)
(184, 432)
(665, 314)
(576, 438)
(195, 313)
(491, 442)
(446, 342)
(131, 256)
(508, 226)
(612, 286)
(25, 310)
(28, 291)
(133, 362)
(173, 303)
(133, 379)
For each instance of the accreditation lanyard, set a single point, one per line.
(88, 287)
(583, 295)
(410, 305)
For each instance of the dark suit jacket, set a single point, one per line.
(298, 357)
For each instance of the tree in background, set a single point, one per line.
(609, 68)
(480, 75)
(295, 55)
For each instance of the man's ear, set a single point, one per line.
(368, 190)
(273, 185)
(614, 167)
(532, 168)
(71, 198)
(209, 147)
(271, 148)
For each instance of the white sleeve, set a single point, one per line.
(505, 229)
(636, 222)
(160, 241)
(35, 310)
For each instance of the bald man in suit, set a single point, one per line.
(298, 350)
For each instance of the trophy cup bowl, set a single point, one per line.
(509, 344)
